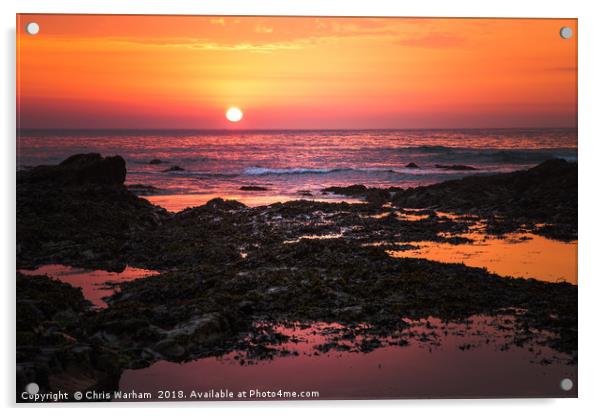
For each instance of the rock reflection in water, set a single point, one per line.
(95, 284)
(479, 357)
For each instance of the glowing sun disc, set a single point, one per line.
(234, 114)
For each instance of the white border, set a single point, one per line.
(590, 68)
(507, 8)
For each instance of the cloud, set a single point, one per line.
(433, 40)
(217, 21)
(348, 27)
(264, 29)
(251, 47)
(205, 44)
(272, 34)
(209, 45)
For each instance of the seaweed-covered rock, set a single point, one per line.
(325, 281)
(79, 212)
(352, 190)
(373, 195)
(221, 204)
(53, 347)
(546, 194)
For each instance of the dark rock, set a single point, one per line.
(77, 170)
(546, 194)
(455, 167)
(246, 306)
(155, 162)
(206, 328)
(142, 190)
(324, 348)
(170, 349)
(353, 190)
(221, 204)
(174, 168)
(349, 313)
(412, 165)
(277, 290)
(370, 344)
(372, 195)
(52, 341)
(78, 213)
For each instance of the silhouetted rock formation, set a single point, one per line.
(79, 209)
(79, 169)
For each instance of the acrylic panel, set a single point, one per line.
(295, 208)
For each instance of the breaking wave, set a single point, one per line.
(259, 171)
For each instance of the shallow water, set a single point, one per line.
(95, 284)
(517, 255)
(179, 202)
(474, 359)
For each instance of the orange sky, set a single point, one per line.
(84, 71)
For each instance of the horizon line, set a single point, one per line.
(286, 129)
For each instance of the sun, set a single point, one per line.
(234, 114)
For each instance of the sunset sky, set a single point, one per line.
(284, 72)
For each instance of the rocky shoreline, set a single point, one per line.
(542, 200)
(225, 267)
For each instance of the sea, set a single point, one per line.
(295, 164)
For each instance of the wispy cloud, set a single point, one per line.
(433, 40)
(352, 28)
(217, 21)
(115, 43)
(251, 47)
(208, 45)
(264, 29)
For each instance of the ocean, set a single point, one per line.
(293, 164)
